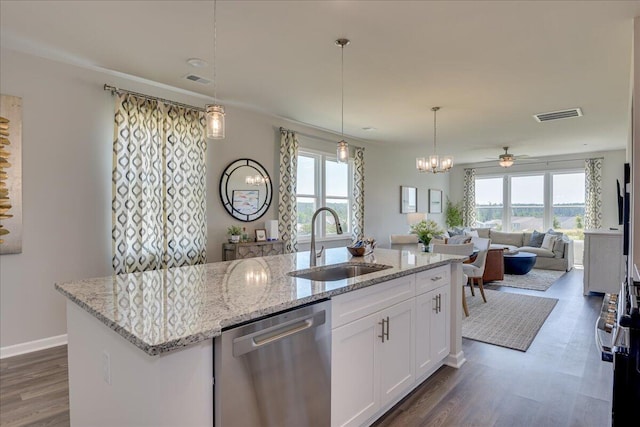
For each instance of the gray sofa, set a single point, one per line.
(560, 258)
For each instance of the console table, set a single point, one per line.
(231, 251)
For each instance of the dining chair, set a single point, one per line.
(461, 249)
(475, 270)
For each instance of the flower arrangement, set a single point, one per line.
(426, 230)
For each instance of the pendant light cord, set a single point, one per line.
(342, 84)
(435, 110)
(215, 40)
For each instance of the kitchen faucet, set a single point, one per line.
(313, 255)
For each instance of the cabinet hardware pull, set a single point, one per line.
(388, 338)
(383, 334)
(435, 299)
(436, 278)
(439, 303)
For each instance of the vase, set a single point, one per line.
(426, 247)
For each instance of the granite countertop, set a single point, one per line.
(163, 310)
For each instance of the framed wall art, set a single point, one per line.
(408, 199)
(10, 174)
(435, 201)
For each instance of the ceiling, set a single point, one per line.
(489, 65)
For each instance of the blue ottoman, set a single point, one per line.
(520, 263)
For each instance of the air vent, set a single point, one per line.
(197, 79)
(556, 115)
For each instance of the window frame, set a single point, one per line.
(320, 157)
(547, 192)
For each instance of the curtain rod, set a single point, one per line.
(115, 90)
(538, 163)
(319, 138)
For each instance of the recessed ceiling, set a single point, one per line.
(490, 65)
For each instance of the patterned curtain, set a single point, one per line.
(357, 221)
(593, 193)
(287, 206)
(469, 198)
(158, 184)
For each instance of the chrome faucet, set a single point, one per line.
(313, 255)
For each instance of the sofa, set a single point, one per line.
(559, 257)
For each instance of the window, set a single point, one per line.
(527, 203)
(489, 203)
(530, 202)
(568, 204)
(322, 181)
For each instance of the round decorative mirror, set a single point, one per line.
(245, 190)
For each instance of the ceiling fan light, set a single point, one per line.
(506, 162)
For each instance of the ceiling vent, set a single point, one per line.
(556, 115)
(197, 79)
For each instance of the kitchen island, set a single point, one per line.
(161, 373)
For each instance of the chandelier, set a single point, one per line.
(435, 163)
(214, 113)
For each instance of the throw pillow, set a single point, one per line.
(548, 242)
(558, 248)
(472, 233)
(455, 231)
(458, 240)
(536, 239)
(555, 233)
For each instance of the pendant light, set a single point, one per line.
(434, 163)
(214, 112)
(343, 148)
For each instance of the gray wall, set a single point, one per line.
(612, 169)
(67, 139)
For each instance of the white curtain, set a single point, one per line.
(593, 194)
(469, 198)
(357, 220)
(287, 205)
(158, 185)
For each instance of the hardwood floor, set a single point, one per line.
(559, 381)
(34, 389)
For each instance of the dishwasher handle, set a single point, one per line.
(256, 340)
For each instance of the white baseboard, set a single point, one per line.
(28, 347)
(455, 360)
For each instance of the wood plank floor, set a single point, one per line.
(559, 381)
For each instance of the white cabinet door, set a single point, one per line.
(397, 355)
(355, 373)
(432, 329)
(440, 325)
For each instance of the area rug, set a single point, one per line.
(506, 319)
(537, 279)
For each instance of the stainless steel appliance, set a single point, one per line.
(275, 371)
(618, 336)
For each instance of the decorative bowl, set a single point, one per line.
(357, 251)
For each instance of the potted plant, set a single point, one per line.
(234, 232)
(453, 214)
(426, 230)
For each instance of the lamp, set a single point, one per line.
(415, 217)
(342, 152)
(434, 163)
(214, 113)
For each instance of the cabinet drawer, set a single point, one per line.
(350, 306)
(432, 279)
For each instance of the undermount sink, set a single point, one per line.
(338, 271)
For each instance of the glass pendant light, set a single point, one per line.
(434, 163)
(214, 112)
(342, 151)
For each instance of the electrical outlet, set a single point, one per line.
(106, 367)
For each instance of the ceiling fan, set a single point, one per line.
(507, 159)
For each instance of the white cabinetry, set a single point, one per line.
(432, 320)
(603, 261)
(384, 339)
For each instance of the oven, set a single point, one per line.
(618, 338)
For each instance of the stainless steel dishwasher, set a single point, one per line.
(275, 371)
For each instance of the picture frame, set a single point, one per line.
(435, 201)
(245, 202)
(261, 235)
(408, 199)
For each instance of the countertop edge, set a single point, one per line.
(158, 349)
